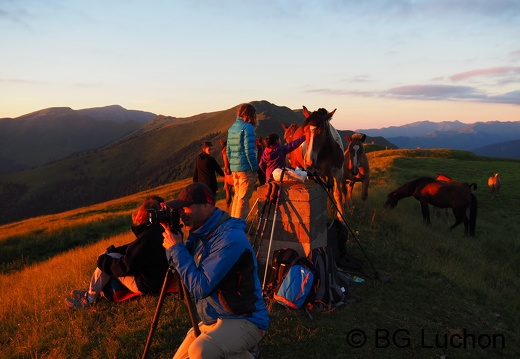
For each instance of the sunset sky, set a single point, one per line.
(380, 62)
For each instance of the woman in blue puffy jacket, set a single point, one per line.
(241, 151)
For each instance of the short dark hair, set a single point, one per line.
(272, 139)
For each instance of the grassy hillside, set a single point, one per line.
(159, 152)
(445, 289)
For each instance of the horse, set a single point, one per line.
(355, 169)
(260, 145)
(295, 158)
(323, 153)
(440, 194)
(494, 185)
(228, 178)
(444, 178)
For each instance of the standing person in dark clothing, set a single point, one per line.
(139, 265)
(206, 167)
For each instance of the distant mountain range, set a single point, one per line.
(492, 139)
(52, 134)
(58, 159)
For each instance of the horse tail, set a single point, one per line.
(472, 215)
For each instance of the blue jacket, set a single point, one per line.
(219, 268)
(241, 149)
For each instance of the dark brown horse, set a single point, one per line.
(444, 178)
(228, 178)
(442, 195)
(355, 169)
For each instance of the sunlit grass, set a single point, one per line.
(441, 281)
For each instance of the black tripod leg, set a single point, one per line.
(191, 308)
(261, 218)
(272, 199)
(155, 320)
(319, 181)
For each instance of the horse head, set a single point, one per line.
(355, 154)
(318, 135)
(391, 200)
(289, 131)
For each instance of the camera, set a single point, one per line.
(169, 217)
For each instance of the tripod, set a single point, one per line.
(316, 178)
(183, 293)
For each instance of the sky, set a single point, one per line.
(380, 63)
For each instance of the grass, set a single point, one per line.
(445, 289)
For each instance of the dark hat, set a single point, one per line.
(194, 193)
(207, 144)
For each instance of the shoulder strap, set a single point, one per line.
(225, 216)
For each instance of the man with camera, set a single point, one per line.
(139, 265)
(218, 266)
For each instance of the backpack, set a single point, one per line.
(282, 258)
(329, 293)
(337, 236)
(298, 286)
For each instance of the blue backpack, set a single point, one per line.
(297, 287)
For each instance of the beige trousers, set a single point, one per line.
(227, 338)
(244, 185)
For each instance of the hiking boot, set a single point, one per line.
(78, 293)
(78, 303)
(255, 351)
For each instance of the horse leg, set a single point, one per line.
(425, 209)
(447, 215)
(460, 217)
(348, 201)
(364, 195)
(338, 195)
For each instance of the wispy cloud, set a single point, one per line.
(493, 72)
(451, 93)
(434, 92)
(429, 93)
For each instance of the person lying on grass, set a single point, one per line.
(140, 265)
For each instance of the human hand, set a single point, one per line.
(170, 238)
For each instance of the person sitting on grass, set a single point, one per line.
(274, 155)
(140, 265)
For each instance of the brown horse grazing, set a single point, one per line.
(494, 185)
(228, 178)
(444, 178)
(440, 194)
(355, 169)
